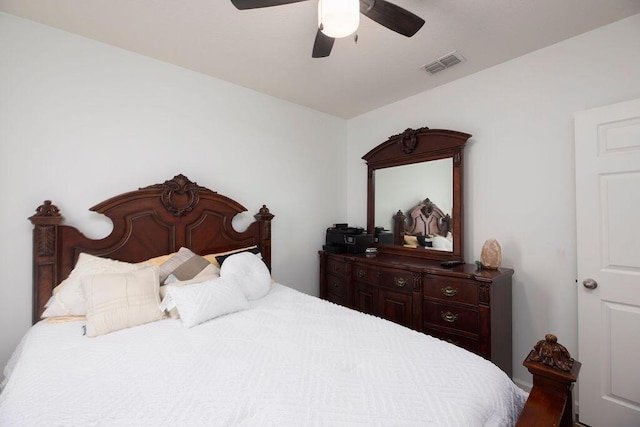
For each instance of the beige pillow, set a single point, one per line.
(183, 265)
(411, 241)
(121, 300)
(68, 297)
(157, 260)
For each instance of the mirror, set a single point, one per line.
(415, 192)
(424, 193)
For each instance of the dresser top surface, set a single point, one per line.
(427, 266)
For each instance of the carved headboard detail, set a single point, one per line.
(427, 219)
(148, 222)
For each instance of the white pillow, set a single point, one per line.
(210, 273)
(249, 272)
(121, 300)
(200, 302)
(442, 243)
(68, 297)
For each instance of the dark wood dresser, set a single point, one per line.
(465, 306)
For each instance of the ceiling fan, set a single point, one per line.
(384, 13)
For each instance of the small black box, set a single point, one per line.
(385, 238)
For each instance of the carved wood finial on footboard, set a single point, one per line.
(554, 371)
(549, 352)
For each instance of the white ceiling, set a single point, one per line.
(269, 49)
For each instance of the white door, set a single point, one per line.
(607, 143)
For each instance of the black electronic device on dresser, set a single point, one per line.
(344, 239)
(426, 288)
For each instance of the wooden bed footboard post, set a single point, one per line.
(45, 262)
(554, 371)
(264, 218)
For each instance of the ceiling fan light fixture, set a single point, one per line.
(338, 18)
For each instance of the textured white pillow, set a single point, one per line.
(210, 273)
(249, 272)
(68, 297)
(200, 302)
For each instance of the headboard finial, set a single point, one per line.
(264, 214)
(47, 209)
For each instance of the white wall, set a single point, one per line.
(82, 121)
(519, 166)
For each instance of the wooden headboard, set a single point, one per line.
(148, 222)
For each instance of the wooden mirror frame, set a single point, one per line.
(416, 146)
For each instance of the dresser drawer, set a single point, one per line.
(471, 344)
(454, 317)
(336, 267)
(366, 274)
(398, 280)
(337, 285)
(390, 278)
(450, 290)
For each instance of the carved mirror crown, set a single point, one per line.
(415, 146)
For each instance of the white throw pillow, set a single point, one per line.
(210, 273)
(68, 297)
(249, 272)
(200, 302)
(121, 300)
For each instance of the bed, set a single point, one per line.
(241, 349)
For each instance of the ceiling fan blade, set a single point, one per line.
(391, 16)
(322, 46)
(255, 4)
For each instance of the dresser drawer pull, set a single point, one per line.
(400, 281)
(448, 316)
(454, 342)
(361, 273)
(336, 268)
(336, 285)
(449, 291)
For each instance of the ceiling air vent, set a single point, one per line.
(446, 61)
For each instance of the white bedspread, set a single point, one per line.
(290, 360)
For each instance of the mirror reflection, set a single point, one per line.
(424, 193)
